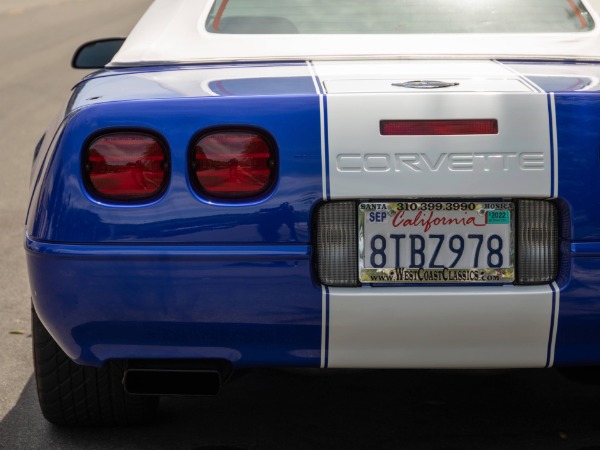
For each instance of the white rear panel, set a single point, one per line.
(437, 327)
(365, 164)
(440, 327)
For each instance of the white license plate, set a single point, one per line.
(436, 242)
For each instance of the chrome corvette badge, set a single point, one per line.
(425, 84)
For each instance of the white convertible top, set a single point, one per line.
(174, 32)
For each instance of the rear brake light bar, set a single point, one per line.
(438, 127)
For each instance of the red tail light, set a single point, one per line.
(438, 127)
(233, 164)
(126, 166)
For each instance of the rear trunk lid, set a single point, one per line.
(363, 162)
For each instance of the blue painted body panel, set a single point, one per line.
(211, 80)
(106, 302)
(578, 336)
(62, 211)
(564, 76)
(116, 281)
(186, 277)
(578, 124)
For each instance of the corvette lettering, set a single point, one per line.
(452, 162)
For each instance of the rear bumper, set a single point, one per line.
(174, 302)
(261, 306)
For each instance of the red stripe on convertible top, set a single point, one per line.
(219, 15)
(582, 20)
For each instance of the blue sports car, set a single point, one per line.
(308, 184)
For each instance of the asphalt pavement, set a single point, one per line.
(263, 409)
(37, 41)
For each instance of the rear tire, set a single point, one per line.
(71, 394)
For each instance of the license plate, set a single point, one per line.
(436, 242)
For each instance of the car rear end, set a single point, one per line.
(348, 212)
(430, 246)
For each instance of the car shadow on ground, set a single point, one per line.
(379, 409)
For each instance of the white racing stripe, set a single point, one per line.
(439, 327)
(364, 164)
(552, 345)
(324, 325)
(319, 90)
(554, 143)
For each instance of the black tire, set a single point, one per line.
(71, 394)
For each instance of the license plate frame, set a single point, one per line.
(467, 216)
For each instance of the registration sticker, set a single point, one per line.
(498, 217)
(436, 242)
